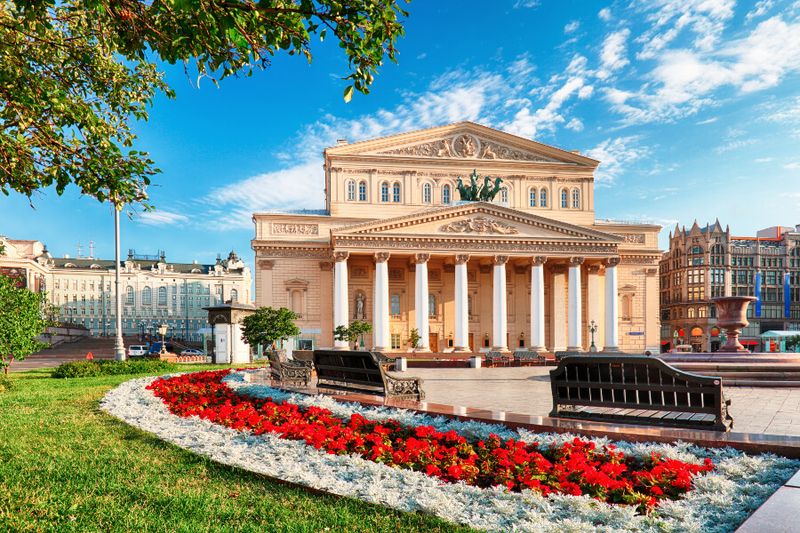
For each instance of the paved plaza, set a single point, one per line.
(527, 390)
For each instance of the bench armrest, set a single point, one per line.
(405, 387)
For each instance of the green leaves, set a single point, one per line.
(22, 320)
(75, 73)
(268, 325)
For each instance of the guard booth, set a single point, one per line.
(227, 345)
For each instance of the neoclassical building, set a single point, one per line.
(532, 269)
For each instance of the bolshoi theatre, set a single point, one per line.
(531, 270)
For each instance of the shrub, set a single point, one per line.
(5, 385)
(83, 369)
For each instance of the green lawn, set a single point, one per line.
(66, 466)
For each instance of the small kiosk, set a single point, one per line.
(227, 344)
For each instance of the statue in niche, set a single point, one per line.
(361, 305)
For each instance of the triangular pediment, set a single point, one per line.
(477, 219)
(462, 142)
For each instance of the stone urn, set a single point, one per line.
(732, 317)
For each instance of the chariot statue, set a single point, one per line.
(474, 193)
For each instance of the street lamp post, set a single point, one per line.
(162, 330)
(119, 345)
(592, 330)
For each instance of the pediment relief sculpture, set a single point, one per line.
(479, 225)
(467, 146)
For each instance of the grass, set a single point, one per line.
(66, 466)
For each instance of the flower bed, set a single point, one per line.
(317, 442)
(577, 467)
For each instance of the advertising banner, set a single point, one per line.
(787, 296)
(757, 293)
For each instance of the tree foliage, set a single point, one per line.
(268, 325)
(353, 332)
(74, 73)
(22, 320)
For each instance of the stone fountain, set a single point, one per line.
(732, 317)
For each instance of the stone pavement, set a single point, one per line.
(526, 390)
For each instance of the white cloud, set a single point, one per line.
(528, 123)
(614, 155)
(737, 144)
(574, 125)
(613, 55)
(760, 9)
(707, 121)
(161, 218)
(763, 160)
(784, 111)
(794, 165)
(572, 27)
(686, 80)
(604, 14)
(526, 4)
(422, 56)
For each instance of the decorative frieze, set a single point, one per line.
(466, 146)
(397, 274)
(479, 225)
(632, 238)
(359, 272)
(287, 228)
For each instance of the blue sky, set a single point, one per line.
(693, 107)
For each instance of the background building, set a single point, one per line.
(705, 262)
(154, 291)
(395, 246)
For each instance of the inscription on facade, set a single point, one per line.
(632, 238)
(283, 228)
(479, 225)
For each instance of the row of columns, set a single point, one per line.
(380, 324)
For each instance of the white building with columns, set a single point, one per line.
(531, 270)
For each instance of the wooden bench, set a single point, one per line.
(365, 372)
(289, 370)
(637, 389)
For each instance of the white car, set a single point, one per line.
(137, 350)
(192, 351)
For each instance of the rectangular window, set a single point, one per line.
(395, 341)
(395, 305)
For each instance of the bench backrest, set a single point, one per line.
(357, 370)
(635, 382)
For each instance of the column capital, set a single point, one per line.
(326, 265)
(266, 264)
(381, 257)
(611, 262)
(340, 256)
(576, 261)
(500, 260)
(538, 260)
(420, 258)
(462, 259)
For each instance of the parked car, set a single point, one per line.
(192, 351)
(155, 348)
(137, 350)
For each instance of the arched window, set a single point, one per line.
(362, 191)
(396, 193)
(351, 190)
(384, 192)
(504, 195)
(234, 295)
(532, 197)
(130, 297)
(162, 296)
(543, 198)
(446, 194)
(147, 296)
(576, 199)
(427, 193)
(564, 199)
(690, 312)
(431, 305)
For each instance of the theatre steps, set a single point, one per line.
(754, 370)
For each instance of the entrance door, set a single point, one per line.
(434, 342)
(472, 342)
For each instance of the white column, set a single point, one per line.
(574, 323)
(612, 307)
(421, 301)
(537, 305)
(499, 305)
(380, 304)
(340, 296)
(462, 305)
(595, 309)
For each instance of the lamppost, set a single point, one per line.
(162, 330)
(119, 345)
(592, 330)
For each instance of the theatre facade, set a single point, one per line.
(395, 246)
